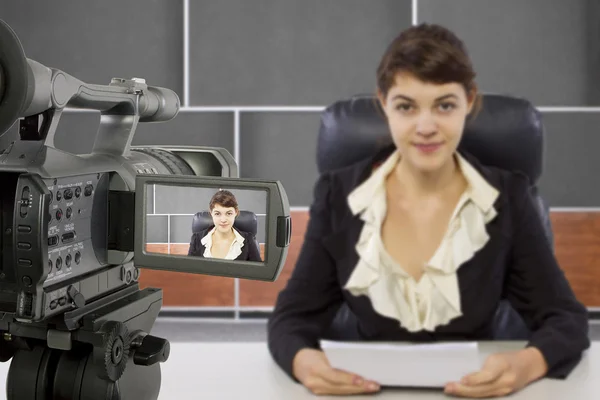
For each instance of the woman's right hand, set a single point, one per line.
(313, 370)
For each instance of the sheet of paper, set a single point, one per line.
(406, 365)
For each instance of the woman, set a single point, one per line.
(422, 242)
(223, 240)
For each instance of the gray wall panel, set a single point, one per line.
(281, 146)
(190, 200)
(291, 52)
(261, 235)
(181, 228)
(536, 49)
(150, 198)
(592, 53)
(97, 40)
(156, 229)
(570, 176)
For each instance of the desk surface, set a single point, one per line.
(246, 371)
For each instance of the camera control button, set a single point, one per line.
(24, 228)
(53, 304)
(27, 281)
(24, 262)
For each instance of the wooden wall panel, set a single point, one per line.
(577, 243)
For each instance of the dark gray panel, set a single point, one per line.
(281, 146)
(291, 52)
(570, 176)
(593, 42)
(150, 199)
(157, 229)
(98, 40)
(181, 228)
(261, 229)
(538, 49)
(190, 200)
(77, 130)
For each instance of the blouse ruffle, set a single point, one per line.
(435, 299)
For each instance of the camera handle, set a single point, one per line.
(102, 352)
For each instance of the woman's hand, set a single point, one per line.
(502, 374)
(313, 370)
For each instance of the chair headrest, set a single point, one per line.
(246, 221)
(507, 133)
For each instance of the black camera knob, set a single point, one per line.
(76, 297)
(152, 350)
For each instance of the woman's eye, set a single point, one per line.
(403, 107)
(447, 106)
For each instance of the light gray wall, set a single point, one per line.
(311, 53)
(534, 48)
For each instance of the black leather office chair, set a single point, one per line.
(246, 221)
(507, 133)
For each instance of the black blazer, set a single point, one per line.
(250, 250)
(517, 264)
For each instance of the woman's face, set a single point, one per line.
(426, 120)
(223, 217)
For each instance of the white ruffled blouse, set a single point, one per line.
(234, 250)
(435, 299)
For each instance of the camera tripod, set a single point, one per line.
(99, 351)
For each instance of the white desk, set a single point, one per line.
(246, 371)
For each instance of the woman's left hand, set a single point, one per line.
(501, 375)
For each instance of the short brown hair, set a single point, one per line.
(432, 53)
(224, 198)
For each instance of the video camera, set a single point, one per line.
(76, 229)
